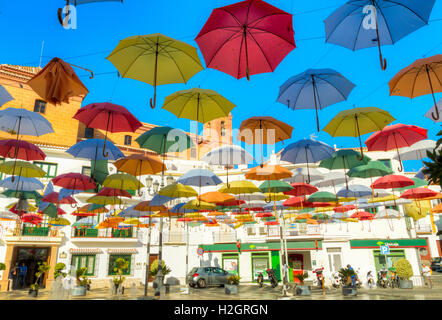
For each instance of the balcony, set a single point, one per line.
(35, 231)
(299, 230)
(174, 237)
(29, 235)
(423, 229)
(105, 235)
(224, 237)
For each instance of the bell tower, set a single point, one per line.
(219, 130)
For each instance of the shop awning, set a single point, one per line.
(123, 250)
(85, 250)
(269, 246)
(392, 243)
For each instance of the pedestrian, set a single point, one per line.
(426, 272)
(353, 276)
(11, 278)
(22, 271)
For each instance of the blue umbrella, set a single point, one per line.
(158, 200)
(4, 96)
(421, 174)
(22, 121)
(279, 206)
(43, 205)
(93, 149)
(315, 89)
(132, 213)
(355, 191)
(199, 178)
(179, 209)
(22, 184)
(66, 193)
(306, 151)
(360, 24)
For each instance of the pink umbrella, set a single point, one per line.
(246, 38)
(395, 137)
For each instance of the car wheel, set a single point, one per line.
(201, 283)
(192, 285)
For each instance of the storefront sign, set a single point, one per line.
(269, 246)
(398, 243)
(385, 249)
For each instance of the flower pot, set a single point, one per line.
(116, 286)
(33, 293)
(231, 289)
(349, 291)
(303, 290)
(79, 291)
(405, 284)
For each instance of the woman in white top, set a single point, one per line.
(426, 272)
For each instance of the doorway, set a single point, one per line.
(27, 260)
(296, 262)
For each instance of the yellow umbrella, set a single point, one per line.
(22, 168)
(122, 181)
(104, 200)
(383, 199)
(239, 187)
(132, 221)
(276, 196)
(59, 222)
(178, 190)
(199, 205)
(156, 60)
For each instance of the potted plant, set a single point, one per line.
(301, 288)
(42, 268)
(347, 288)
(232, 286)
(58, 270)
(82, 282)
(120, 265)
(165, 270)
(404, 273)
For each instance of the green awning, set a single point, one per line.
(269, 246)
(392, 243)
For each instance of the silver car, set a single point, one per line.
(207, 276)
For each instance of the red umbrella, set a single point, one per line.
(20, 150)
(74, 181)
(308, 204)
(184, 219)
(111, 192)
(362, 215)
(246, 38)
(395, 137)
(301, 189)
(53, 198)
(254, 209)
(263, 215)
(271, 223)
(294, 202)
(418, 193)
(231, 203)
(392, 181)
(84, 214)
(107, 116)
(344, 208)
(31, 218)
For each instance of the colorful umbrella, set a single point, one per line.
(357, 122)
(31, 218)
(22, 168)
(268, 172)
(370, 170)
(239, 187)
(57, 82)
(216, 197)
(122, 181)
(20, 150)
(301, 189)
(392, 182)
(54, 198)
(387, 213)
(246, 38)
(155, 59)
(178, 190)
(362, 215)
(275, 186)
(355, 191)
(199, 205)
(306, 151)
(395, 137)
(345, 208)
(303, 175)
(22, 184)
(109, 117)
(322, 196)
(5, 96)
(74, 181)
(25, 194)
(199, 178)
(417, 183)
(420, 78)
(418, 193)
(263, 130)
(315, 89)
(387, 21)
(139, 165)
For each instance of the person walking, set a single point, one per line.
(353, 277)
(426, 272)
(11, 278)
(22, 271)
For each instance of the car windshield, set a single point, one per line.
(193, 270)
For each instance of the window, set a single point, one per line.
(334, 259)
(81, 261)
(40, 106)
(113, 258)
(49, 168)
(89, 133)
(386, 162)
(127, 140)
(223, 128)
(231, 263)
(86, 171)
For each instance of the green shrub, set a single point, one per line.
(82, 279)
(301, 277)
(42, 268)
(233, 279)
(120, 265)
(154, 268)
(58, 270)
(403, 268)
(346, 274)
(2, 266)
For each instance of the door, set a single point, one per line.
(29, 258)
(387, 260)
(209, 276)
(259, 264)
(296, 262)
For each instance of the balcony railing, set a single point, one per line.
(223, 237)
(174, 237)
(104, 233)
(35, 231)
(423, 228)
(300, 230)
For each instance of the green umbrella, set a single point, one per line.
(370, 170)
(26, 194)
(275, 186)
(344, 159)
(306, 210)
(322, 196)
(417, 183)
(51, 211)
(321, 216)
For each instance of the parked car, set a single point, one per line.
(435, 264)
(207, 276)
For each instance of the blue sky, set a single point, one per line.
(26, 24)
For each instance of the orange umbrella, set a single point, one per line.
(420, 78)
(263, 130)
(304, 216)
(268, 172)
(312, 221)
(437, 209)
(216, 197)
(57, 82)
(138, 164)
(145, 206)
(216, 213)
(85, 209)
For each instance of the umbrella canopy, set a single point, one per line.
(93, 149)
(103, 200)
(138, 165)
(155, 59)
(53, 197)
(275, 186)
(246, 38)
(25, 194)
(57, 82)
(417, 183)
(59, 222)
(216, 197)
(301, 189)
(331, 179)
(294, 202)
(199, 205)
(178, 190)
(433, 110)
(420, 78)
(315, 89)
(22, 184)
(417, 151)
(418, 193)
(179, 208)
(111, 192)
(199, 177)
(370, 170)
(349, 27)
(306, 151)
(24, 122)
(387, 213)
(122, 181)
(263, 130)
(74, 181)
(149, 206)
(132, 213)
(239, 187)
(20, 149)
(322, 196)
(355, 191)
(392, 181)
(275, 197)
(362, 215)
(5, 96)
(345, 208)
(165, 139)
(251, 196)
(22, 168)
(268, 172)
(89, 221)
(357, 122)
(305, 175)
(228, 155)
(31, 218)
(395, 137)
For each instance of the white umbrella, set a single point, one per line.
(417, 151)
(331, 179)
(387, 213)
(4, 96)
(301, 175)
(250, 197)
(398, 202)
(433, 110)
